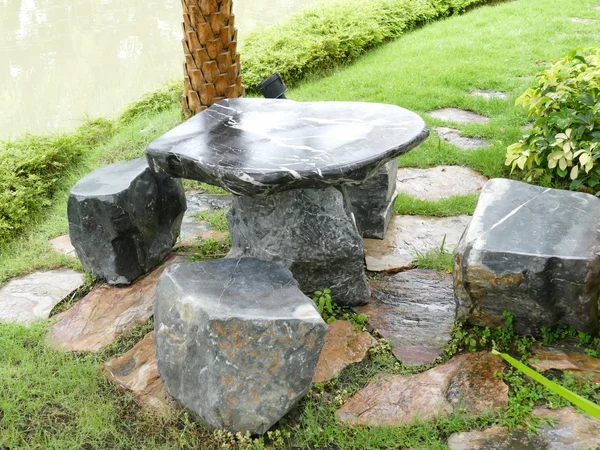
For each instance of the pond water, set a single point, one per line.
(63, 59)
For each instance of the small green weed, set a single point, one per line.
(330, 311)
(439, 259)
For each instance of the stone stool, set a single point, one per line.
(531, 251)
(124, 219)
(237, 342)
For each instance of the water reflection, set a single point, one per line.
(61, 59)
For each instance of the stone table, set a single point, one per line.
(288, 164)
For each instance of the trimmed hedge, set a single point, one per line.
(335, 33)
(31, 168)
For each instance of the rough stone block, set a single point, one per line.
(531, 251)
(124, 219)
(373, 201)
(237, 342)
(309, 231)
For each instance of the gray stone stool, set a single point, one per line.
(530, 251)
(237, 342)
(124, 219)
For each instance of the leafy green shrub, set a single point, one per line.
(565, 105)
(153, 102)
(334, 33)
(32, 166)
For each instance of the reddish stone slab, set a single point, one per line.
(343, 346)
(105, 313)
(136, 371)
(466, 381)
(552, 358)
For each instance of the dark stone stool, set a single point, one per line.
(124, 219)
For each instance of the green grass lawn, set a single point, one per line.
(49, 400)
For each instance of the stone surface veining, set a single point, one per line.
(262, 146)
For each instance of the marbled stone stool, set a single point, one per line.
(124, 219)
(531, 251)
(237, 342)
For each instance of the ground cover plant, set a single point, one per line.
(52, 400)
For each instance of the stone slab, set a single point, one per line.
(62, 244)
(439, 182)
(532, 251)
(415, 311)
(458, 115)
(343, 346)
(488, 94)
(408, 235)
(136, 372)
(553, 358)
(571, 430)
(496, 438)
(582, 20)
(100, 317)
(454, 137)
(26, 299)
(466, 382)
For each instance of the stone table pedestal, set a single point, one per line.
(304, 230)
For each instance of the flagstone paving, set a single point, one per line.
(570, 430)
(62, 244)
(582, 20)
(453, 136)
(343, 346)
(408, 235)
(439, 182)
(415, 311)
(105, 313)
(552, 358)
(488, 94)
(136, 371)
(466, 382)
(31, 297)
(458, 115)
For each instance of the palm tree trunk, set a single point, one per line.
(212, 63)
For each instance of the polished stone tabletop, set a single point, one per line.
(262, 146)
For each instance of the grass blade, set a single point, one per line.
(587, 406)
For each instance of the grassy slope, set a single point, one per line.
(500, 48)
(51, 400)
